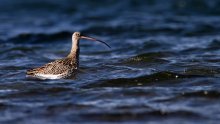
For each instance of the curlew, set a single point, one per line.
(65, 67)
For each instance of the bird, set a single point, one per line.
(65, 67)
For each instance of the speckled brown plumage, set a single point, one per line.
(65, 66)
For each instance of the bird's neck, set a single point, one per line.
(74, 53)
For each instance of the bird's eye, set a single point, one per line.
(76, 34)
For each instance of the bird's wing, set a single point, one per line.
(55, 67)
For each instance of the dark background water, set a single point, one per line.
(163, 66)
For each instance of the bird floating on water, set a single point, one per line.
(63, 68)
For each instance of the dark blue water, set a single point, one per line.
(163, 67)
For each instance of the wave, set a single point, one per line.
(208, 94)
(40, 37)
(145, 80)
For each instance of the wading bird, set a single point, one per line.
(62, 68)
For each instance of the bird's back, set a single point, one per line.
(54, 70)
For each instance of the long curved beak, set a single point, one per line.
(93, 39)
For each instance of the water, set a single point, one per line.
(163, 66)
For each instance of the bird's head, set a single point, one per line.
(77, 36)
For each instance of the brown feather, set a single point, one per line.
(56, 67)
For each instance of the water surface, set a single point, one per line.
(163, 66)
